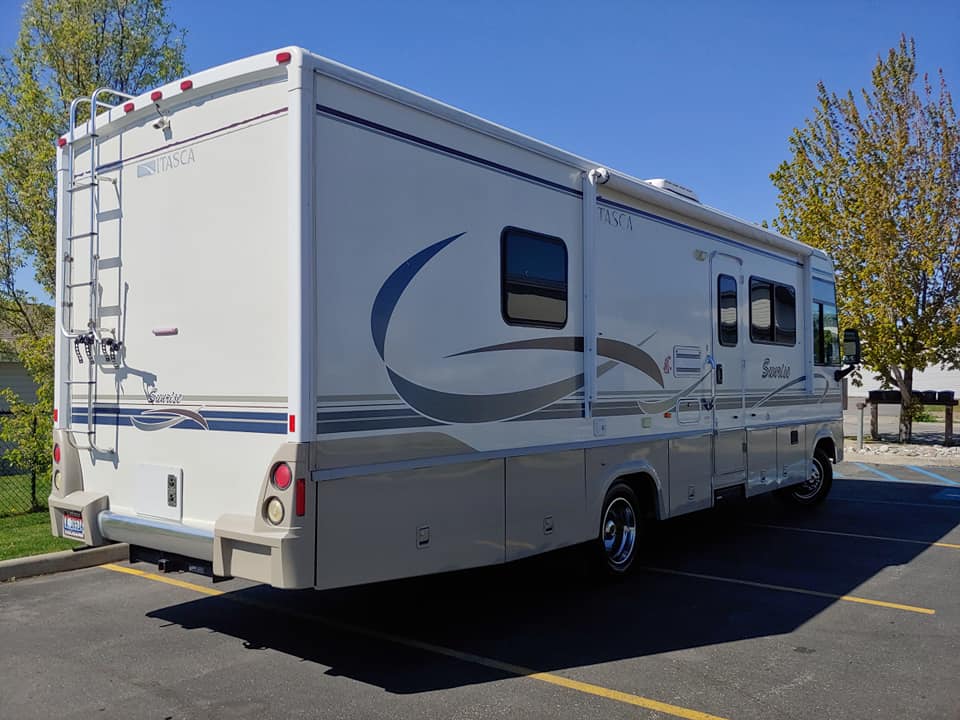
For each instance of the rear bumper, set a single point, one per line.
(235, 547)
(158, 535)
(283, 559)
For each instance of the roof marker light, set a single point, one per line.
(186, 85)
(283, 57)
(156, 95)
(128, 107)
(61, 142)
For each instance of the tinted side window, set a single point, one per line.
(818, 353)
(826, 335)
(773, 313)
(761, 311)
(727, 310)
(533, 278)
(785, 314)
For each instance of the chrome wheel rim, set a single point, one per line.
(811, 487)
(619, 532)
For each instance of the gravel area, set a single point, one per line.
(907, 454)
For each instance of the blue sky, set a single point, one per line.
(703, 93)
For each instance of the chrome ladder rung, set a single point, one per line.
(83, 186)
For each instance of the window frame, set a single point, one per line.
(773, 285)
(552, 239)
(736, 308)
(820, 339)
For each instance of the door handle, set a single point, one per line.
(719, 374)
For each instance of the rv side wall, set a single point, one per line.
(450, 409)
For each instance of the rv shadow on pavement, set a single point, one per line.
(550, 613)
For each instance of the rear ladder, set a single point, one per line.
(93, 344)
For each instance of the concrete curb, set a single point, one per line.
(62, 561)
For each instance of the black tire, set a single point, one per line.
(815, 490)
(619, 538)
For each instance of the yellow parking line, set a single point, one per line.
(518, 670)
(162, 578)
(799, 591)
(857, 535)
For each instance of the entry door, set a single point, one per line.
(729, 325)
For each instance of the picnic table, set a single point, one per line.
(941, 398)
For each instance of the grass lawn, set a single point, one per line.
(29, 534)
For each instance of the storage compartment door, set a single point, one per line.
(762, 470)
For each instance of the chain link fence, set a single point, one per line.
(21, 491)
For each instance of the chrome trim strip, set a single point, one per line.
(400, 465)
(157, 535)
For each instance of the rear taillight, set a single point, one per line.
(56, 453)
(282, 476)
(301, 497)
(273, 511)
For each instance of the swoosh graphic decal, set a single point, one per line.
(462, 408)
(164, 421)
(391, 290)
(653, 407)
(612, 349)
(473, 408)
(823, 395)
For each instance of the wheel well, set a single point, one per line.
(646, 491)
(826, 444)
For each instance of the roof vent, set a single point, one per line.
(673, 187)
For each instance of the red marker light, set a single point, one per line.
(293, 423)
(56, 453)
(128, 107)
(282, 476)
(61, 142)
(56, 415)
(300, 497)
(156, 95)
(283, 57)
(186, 84)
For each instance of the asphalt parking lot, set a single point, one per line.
(850, 611)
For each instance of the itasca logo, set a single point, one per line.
(163, 163)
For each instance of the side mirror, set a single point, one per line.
(851, 347)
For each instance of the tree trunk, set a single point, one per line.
(907, 403)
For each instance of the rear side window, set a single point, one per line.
(773, 313)
(533, 279)
(785, 315)
(727, 310)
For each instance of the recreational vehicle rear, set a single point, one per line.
(317, 330)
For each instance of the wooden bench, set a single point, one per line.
(943, 398)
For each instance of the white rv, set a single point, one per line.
(318, 330)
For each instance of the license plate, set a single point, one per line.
(73, 525)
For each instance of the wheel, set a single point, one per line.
(815, 490)
(619, 529)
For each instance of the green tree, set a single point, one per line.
(874, 179)
(65, 49)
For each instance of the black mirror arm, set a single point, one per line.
(839, 375)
